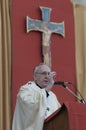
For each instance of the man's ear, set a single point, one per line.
(34, 77)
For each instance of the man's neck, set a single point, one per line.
(47, 94)
(38, 85)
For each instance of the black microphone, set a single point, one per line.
(61, 83)
(81, 99)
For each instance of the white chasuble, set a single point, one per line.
(31, 107)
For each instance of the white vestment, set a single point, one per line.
(31, 107)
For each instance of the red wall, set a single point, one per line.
(26, 48)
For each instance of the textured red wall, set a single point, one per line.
(26, 48)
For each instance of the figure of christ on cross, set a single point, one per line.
(47, 28)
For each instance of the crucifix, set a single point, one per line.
(47, 28)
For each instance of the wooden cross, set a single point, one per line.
(47, 28)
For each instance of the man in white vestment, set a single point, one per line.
(35, 100)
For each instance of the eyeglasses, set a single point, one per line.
(44, 73)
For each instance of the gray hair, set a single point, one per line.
(37, 67)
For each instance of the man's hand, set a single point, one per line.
(51, 81)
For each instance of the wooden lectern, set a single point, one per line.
(71, 116)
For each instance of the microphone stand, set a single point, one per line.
(81, 100)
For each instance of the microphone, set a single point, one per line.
(61, 83)
(81, 99)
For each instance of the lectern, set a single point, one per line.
(71, 116)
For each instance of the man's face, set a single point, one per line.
(42, 76)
